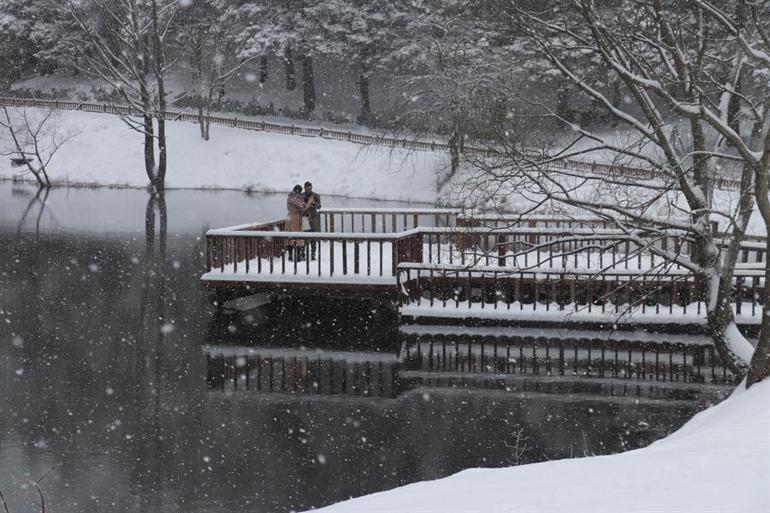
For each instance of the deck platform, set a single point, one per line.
(442, 264)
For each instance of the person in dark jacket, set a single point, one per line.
(313, 202)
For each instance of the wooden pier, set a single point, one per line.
(442, 264)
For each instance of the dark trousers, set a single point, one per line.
(315, 226)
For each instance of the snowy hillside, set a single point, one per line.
(105, 152)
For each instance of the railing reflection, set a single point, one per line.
(623, 368)
(302, 372)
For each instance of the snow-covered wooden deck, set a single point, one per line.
(443, 265)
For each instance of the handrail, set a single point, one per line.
(386, 210)
(313, 235)
(325, 133)
(747, 270)
(244, 230)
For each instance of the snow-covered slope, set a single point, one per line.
(718, 462)
(106, 152)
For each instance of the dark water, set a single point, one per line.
(106, 392)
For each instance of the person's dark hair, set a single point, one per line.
(297, 189)
(308, 184)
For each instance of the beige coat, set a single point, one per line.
(295, 205)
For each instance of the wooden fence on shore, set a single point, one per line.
(581, 166)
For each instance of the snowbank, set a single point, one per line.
(106, 152)
(718, 462)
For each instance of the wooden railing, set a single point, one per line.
(386, 238)
(365, 255)
(615, 292)
(581, 166)
(576, 357)
(385, 220)
(560, 247)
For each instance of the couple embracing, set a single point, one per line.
(303, 216)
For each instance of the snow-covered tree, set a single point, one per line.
(209, 45)
(360, 32)
(453, 66)
(123, 43)
(696, 106)
(30, 38)
(277, 27)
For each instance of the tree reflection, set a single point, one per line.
(39, 199)
(150, 342)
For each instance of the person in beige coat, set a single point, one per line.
(296, 206)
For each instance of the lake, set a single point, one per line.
(111, 397)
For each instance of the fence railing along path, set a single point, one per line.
(577, 165)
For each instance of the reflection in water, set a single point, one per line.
(37, 201)
(297, 371)
(152, 309)
(105, 391)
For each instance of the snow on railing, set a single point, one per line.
(607, 292)
(385, 238)
(597, 168)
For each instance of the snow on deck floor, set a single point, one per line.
(378, 271)
(376, 260)
(718, 462)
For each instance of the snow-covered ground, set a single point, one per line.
(718, 462)
(105, 152)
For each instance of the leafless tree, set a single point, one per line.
(696, 106)
(35, 142)
(123, 43)
(518, 444)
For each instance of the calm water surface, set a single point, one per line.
(105, 402)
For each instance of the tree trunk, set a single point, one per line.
(204, 113)
(308, 84)
(562, 105)
(365, 115)
(149, 144)
(201, 120)
(454, 152)
(759, 368)
(149, 130)
(263, 69)
(288, 61)
(720, 324)
(159, 68)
